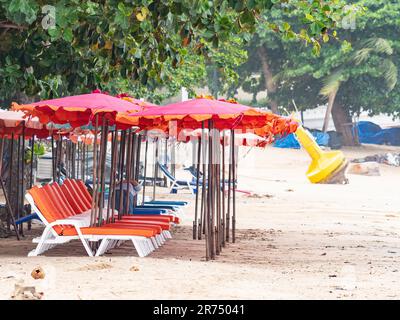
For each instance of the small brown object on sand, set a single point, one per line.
(134, 268)
(38, 273)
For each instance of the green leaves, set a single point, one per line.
(21, 11)
(94, 42)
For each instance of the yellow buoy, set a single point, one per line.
(326, 166)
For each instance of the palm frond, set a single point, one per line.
(390, 73)
(332, 83)
(372, 45)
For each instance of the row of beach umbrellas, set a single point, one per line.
(124, 123)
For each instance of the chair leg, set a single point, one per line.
(138, 246)
(103, 247)
(167, 234)
(158, 241)
(172, 186)
(41, 247)
(155, 242)
(190, 188)
(85, 243)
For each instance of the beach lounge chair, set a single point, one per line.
(168, 202)
(79, 190)
(76, 190)
(176, 184)
(63, 225)
(193, 171)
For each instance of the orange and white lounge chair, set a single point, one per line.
(63, 225)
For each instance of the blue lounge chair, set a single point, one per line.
(193, 171)
(27, 218)
(176, 184)
(137, 210)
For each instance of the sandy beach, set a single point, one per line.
(295, 241)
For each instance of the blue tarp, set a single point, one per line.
(369, 132)
(290, 141)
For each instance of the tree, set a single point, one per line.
(75, 46)
(357, 77)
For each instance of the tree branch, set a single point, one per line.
(11, 26)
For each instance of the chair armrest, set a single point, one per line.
(71, 222)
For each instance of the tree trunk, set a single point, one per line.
(342, 120)
(270, 85)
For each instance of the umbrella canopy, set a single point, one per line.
(224, 115)
(11, 122)
(142, 103)
(79, 110)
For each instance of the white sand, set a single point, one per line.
(306, 241)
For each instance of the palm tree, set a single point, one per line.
(374, 49)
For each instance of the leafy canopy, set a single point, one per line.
(77, 45)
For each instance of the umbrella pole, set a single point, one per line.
(211, 193)
(112, 177)
(145, 167)
(59, 158)
(87, 161)
(17, 213)
(103, 153)
(31, 164)
(155, 167)
(53, 157)
(66, 159)
(73, 158)
(128, 170)
(115, 175)
(9, 177)
(7, 200)
(166, 160)
(23, 185)
(94, 197)
(78, 160)
(121, 172)
(202, 223)
(133, 161)
(206, 175)
(218, 191)
(223, 191)
(233, 188)
(83, 153)
(137, 169)
(228, 214)
(195, 222)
